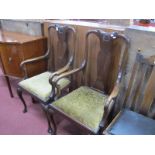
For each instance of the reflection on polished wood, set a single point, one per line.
(15, 37)
(17, 47)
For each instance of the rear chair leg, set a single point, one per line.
(34, 101)
(9, 86)
(19, 92)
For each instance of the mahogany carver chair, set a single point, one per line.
(136, 103)
(89, 106)
(38, 86)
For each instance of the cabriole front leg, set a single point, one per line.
(50, 130)
(19, 92)
(50, 120)
(54, 123)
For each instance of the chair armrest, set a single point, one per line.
(54, 81)
(109, 104)
(69, 73)
(32, 60)
(64, 69)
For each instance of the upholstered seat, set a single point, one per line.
(39, 85)
(84, 105)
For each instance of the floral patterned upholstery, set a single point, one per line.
(39, 85)
(84, 105)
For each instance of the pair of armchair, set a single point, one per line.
(90, 105)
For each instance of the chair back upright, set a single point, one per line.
(107, 55)
(139, 95)
(61, 44)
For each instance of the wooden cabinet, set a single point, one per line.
(16, 47)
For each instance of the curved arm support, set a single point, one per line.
(65, 68)
(54, 81)
(33, 60)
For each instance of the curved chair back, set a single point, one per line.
(61, 44)
(107, 56)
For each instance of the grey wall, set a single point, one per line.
(30, 27)
(121, 22)
(140, 37)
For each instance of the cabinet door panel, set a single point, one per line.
(10, 55)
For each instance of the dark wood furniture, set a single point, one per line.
(139, 97)
(62, 61)
(82, 28)
(17, 47)
(99, 89)
(128, 122)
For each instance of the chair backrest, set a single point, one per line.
(61, 43)
(139, 95)
(110, 58)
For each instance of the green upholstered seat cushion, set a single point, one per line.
(39, 85)
(84, 105)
